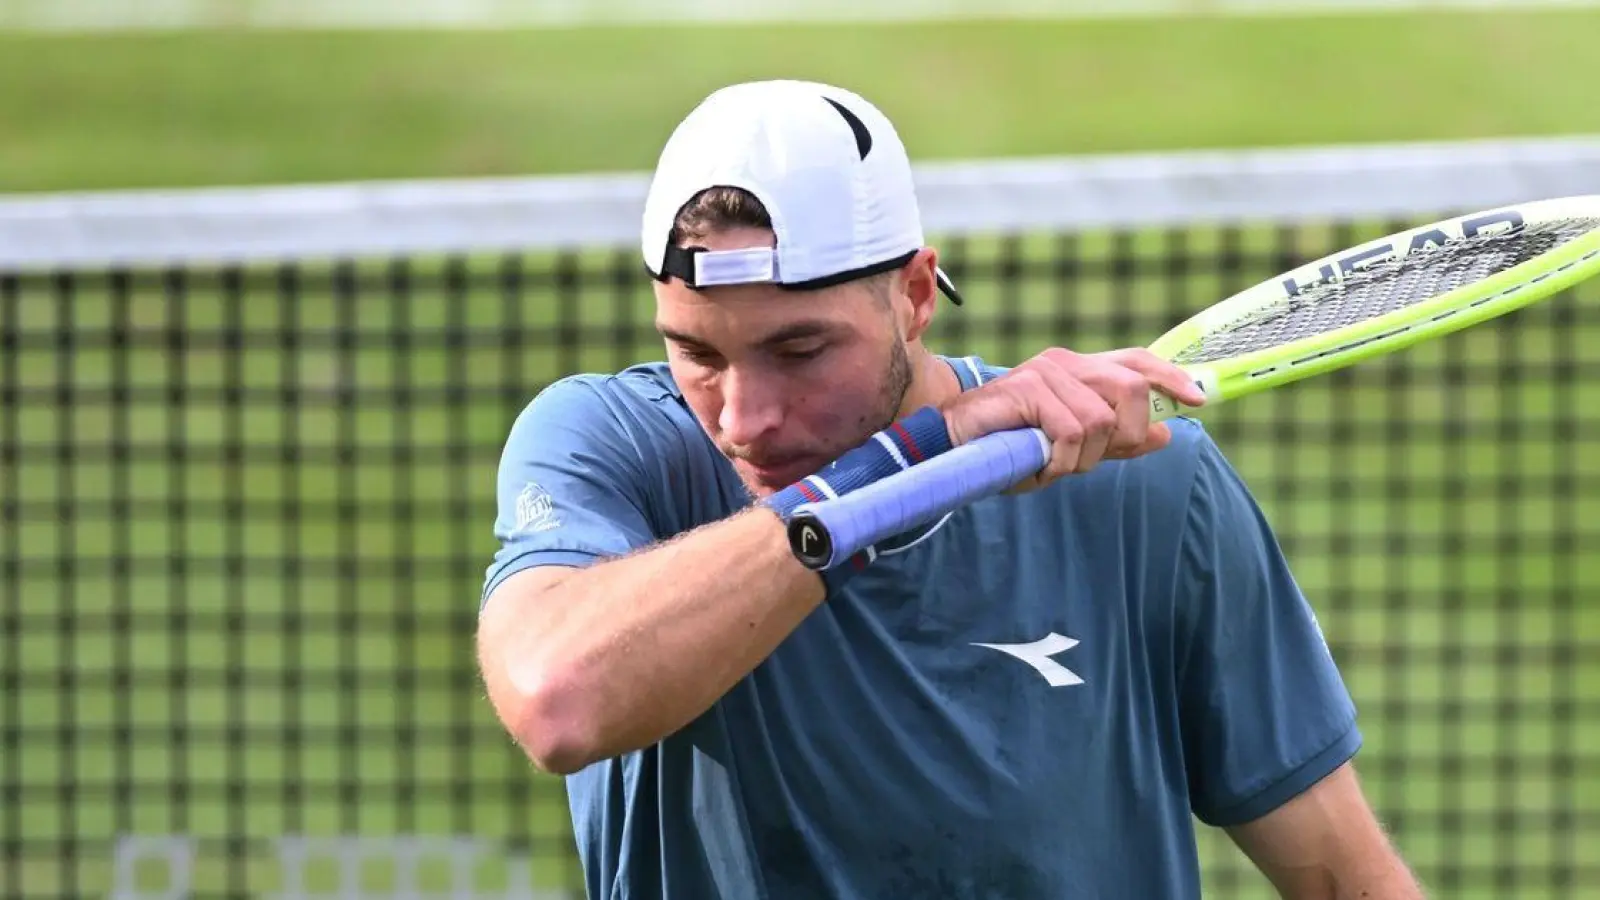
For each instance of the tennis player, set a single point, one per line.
(1031, 698)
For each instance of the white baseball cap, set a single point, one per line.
(827, 165)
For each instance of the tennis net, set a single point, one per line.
(247, 451)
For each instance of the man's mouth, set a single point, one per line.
(780, 472)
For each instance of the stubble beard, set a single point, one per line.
(896, 383)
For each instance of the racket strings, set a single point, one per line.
(1381, 289)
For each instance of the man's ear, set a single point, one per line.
(916, 288)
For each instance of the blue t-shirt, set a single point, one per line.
(1031, 702)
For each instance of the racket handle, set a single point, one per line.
(1163, 407)
(823, 535)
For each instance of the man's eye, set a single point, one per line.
(803, 355)
(701, 357)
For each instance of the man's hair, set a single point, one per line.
(724, 208)
(718, 209)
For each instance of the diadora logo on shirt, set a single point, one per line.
(1038, 654)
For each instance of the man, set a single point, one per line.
(1027, 699)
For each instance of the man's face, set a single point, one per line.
(783, 381)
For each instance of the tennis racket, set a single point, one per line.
(1364, 302)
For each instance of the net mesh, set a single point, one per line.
(244, 515)
(1382, 288)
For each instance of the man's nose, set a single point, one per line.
(751, 407)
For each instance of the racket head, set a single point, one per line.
(1560, 247)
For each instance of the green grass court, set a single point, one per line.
(1476, 627)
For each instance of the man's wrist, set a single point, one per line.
(918, 437)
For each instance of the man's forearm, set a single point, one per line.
(1380, 875)
(616, 657)
(1380, 878)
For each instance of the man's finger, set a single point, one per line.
(1164, 376)
(1091, 410)
(1160, 436)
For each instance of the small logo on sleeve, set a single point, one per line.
(536, 511)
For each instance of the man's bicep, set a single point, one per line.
(503, 612)
(570, 489)
(1265, 713)
(1322, 841)
(525, 585)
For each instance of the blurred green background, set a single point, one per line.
(336, 696)
(121, 110)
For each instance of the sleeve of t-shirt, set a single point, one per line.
(1265, 712)
(570, 489)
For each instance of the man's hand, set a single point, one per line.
(1092, 407)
